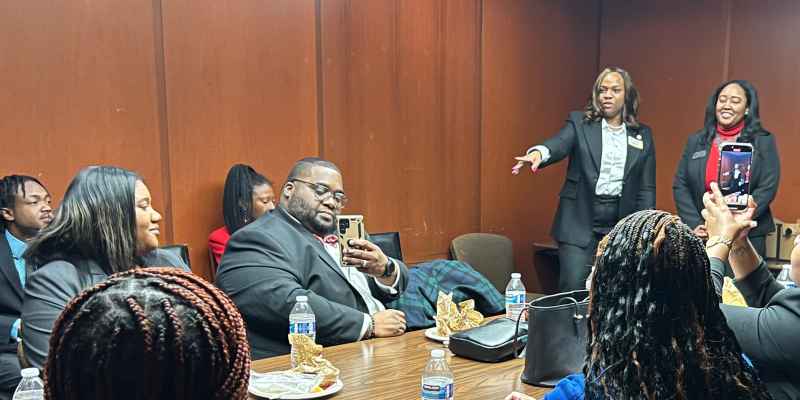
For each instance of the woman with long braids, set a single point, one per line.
(105, 224)
(247, 196)
(655, 327)
(149, 334)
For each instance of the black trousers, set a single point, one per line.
(576, 261)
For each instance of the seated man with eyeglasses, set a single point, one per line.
(293, 252)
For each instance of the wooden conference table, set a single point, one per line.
(391, 368)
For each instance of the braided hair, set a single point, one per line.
(655, 327)
(149, 334)
(237, 197)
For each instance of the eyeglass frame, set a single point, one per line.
(328, 193)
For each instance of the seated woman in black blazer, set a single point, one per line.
(105, 224)
(732, 115)
(769, 328)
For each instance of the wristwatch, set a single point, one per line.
(389, 270)
(370, 333)
(715, 240)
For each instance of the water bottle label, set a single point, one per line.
(515, 298)
(431, 391)
(306, 328)
(515, 304)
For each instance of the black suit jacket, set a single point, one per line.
(767, 328)
(10, 295)
(269, 262)
(690, 180)
(582, 142)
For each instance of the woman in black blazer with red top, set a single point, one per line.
(732, 115)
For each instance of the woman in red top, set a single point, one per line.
(247, 196)
(732, 115)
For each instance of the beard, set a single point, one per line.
(307, 216)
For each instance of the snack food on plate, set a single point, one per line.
(310, 361)
(313, 373)
(454, 318)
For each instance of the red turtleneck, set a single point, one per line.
(724, 135)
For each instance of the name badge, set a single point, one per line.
(698, 154)
(635, 143)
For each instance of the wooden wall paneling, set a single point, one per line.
(77, 88)
(241, 87)
(676, 54)
(400, 87)
(765, 51)
(539, 60)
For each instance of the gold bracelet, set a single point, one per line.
(715, 240)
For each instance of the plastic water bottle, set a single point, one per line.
(437, 379)
(515, 297)
(30, 387)
(302, 321)
(785, 277)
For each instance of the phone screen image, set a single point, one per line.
(735, 162)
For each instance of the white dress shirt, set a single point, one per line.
(359, 281)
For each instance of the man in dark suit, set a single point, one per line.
(24, 210)
(611, 172)
(291, 252)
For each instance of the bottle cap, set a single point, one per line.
(30, 372)
(301, 298)
(516, 275)
(437, 353)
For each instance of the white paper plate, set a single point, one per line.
(431, 334)
(327, 392)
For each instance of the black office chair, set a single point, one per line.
(389, 242)
(180, 250)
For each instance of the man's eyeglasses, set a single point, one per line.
(323, 192)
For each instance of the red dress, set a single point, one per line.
(217, 241)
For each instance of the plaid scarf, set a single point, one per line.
(425, 281)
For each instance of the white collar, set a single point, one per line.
(612, 129)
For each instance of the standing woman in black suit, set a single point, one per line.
(611, 172)
(732, 115)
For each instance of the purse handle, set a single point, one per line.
(576, 316)
(516, 329)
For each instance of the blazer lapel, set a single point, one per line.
(323, 254)
(594, 139)
(700, 165)
(8, 267)
(315, 244)
(633, 153)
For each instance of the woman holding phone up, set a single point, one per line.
(732, 115)
(611, 172)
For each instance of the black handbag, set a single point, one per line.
(557, 337)
(492, 342)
